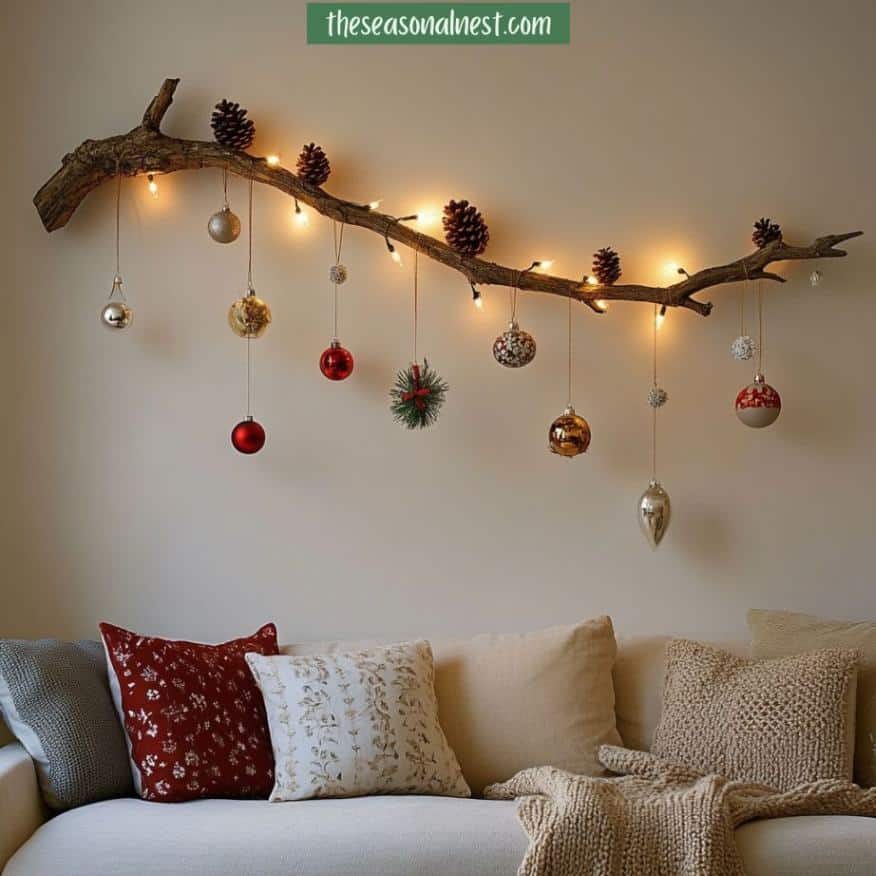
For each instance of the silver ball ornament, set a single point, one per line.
(116, 315)
(338, 274)
(657, 396)
(514, 348)
(742, 349)
(224, 226)
(655, 511)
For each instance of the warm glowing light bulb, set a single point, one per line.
(273, 160)
(671, 268)
(427, 217)
(479, 303)
(660, 317)
(302, 220)
(544, 264)
(601, 304)
(152, 185)
(395, 257)
(375, 204)
(592, 281)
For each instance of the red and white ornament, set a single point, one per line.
(336, 362)
(758, 404)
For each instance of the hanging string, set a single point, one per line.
(569, 402)
(514, 289)
(654, 384)
(248, 375)
(760, 327)
(742, 300)
(338, 242)
(225, 186)
(416, 297)
(249, 269)
(118, 201)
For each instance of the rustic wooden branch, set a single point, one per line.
(146, 150)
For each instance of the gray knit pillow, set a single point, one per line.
(55, 699)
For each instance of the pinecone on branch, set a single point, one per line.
(313, 165)
(765, 232)
(231, 127)
(465, 229)
(606, 266)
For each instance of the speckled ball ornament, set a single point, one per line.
(249, 316)
(514, 348)
(338, 274)
(758, 404)
(742, 349)
(815, 278)
(657, 396)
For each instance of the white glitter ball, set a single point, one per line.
(743, 348)
(815, 278)
(657, 397)
(338, 274)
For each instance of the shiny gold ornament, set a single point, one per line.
(569, 434)
(249, 316)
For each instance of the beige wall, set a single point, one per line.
(663, 129)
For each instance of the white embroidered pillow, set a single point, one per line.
(357, 722)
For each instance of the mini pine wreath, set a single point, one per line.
(231, 127)
(465, 229)
(417, 396)
(765, 232)
(313, 165)
(606, 266)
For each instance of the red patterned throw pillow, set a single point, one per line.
(193, 715)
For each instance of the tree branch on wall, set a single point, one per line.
(145, 149)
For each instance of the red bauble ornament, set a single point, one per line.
(336, 362)
(758, 404)
(248, 436)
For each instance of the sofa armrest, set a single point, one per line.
(21, 806)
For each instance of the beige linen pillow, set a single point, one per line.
(780, 723)
(508, 702)
(783, 633)
(357, 722)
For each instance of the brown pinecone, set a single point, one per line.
(606, 266)
(231, 127)
(765, 231)
(465, 229)
(313, 166)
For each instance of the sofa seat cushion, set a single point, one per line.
(812, 845)
(384, 836)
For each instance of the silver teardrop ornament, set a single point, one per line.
(655, 511)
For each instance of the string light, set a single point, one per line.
(476, 297)
(427, 218)
(601, 305)
(543, 264)
(659, 317)
(273, 160)
(374, 205)
(302, 220)
(152, 185)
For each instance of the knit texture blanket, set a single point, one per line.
(655, 819)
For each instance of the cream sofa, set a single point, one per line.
(389, 836)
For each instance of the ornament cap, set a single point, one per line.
(569, 411)
(513, 326)
(759, 378)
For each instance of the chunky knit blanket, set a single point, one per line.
(656, 819)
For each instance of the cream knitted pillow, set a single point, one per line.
(779, 723)
(356, 722)
(782, 633)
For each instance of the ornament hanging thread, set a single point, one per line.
(758, 405)
(336, 362)
(224, 225)
(418, 394)
(514, 348)
(116, 314)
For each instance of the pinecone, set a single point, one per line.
(765, 232)
(313, 166)
(465, 229)
(231, 127)
(606, 266)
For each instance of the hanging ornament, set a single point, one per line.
(231, 127)
(418, 393)
(336, 362)
(655, 511)
(224, 226)
(654, 506)
(116, 314)
(742, 349)
(514, 348)
(758, 404)
(569, 434)
(815, 278)
(248, 436)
